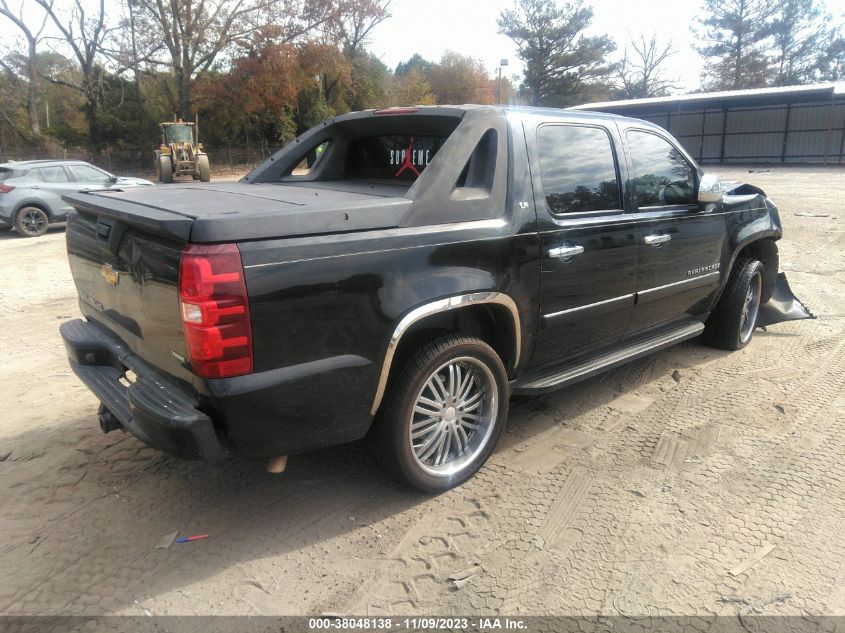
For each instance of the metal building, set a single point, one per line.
(795, 124)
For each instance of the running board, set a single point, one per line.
(596, 365)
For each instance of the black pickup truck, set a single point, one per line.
(396, 275)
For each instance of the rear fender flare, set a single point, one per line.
(436, 307)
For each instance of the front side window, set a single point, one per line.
(83, 173)
(53, 174)
(577, 169)
(661, 175)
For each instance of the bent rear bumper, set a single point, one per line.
(155, 408)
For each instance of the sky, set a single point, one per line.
(431, 27)
(469, 27)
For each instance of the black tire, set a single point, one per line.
(31, 222)
(204, 168)
(390, 439)
(731, 324)
(165, 169)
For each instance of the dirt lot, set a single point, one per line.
(633, 493)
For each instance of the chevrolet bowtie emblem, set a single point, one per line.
(111, 276)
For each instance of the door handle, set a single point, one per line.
(657, 240)
(565, 252)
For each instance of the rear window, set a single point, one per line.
(399, 157)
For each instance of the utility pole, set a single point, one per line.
(502, 62)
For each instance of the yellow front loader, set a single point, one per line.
(181, 153)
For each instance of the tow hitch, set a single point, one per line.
(783, 306)
(108, 422)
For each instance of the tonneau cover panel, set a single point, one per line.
(230, 212)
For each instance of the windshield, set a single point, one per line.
(178, 134)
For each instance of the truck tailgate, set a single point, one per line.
(127, 279)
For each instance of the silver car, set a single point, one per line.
(31, 191)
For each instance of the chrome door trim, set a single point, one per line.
(436, 307)
(588, 306)
(700, 280)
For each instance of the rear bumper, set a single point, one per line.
(155, 408)
(276, 412)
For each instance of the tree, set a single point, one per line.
(10, 102)
(412, 89)
(195, 34)
(832, 61)
(33, 37)
(356, 21)
(85, 37)
(416, 61)
(737, 33)
(370, 81)
(333, 73)
(641, 72)
(560, 60)
(800, 37)
(459, 79)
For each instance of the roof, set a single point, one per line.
(757, 96)
(13, 164)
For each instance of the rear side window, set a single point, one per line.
(661, 175)
(53, 174)
(577, 169)
(310, 160)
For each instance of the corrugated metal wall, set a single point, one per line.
(789, 133)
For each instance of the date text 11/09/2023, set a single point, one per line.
(418, 624)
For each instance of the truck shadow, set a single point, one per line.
(84, 512)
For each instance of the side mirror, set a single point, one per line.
(710, 189)
(112, 179)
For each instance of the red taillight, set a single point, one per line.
(4, 188)
(215, 310)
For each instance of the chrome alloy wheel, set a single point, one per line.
(453, 416)
(750, 308)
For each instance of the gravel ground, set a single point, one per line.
(637, 492)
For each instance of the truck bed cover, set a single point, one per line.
(239, 211)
